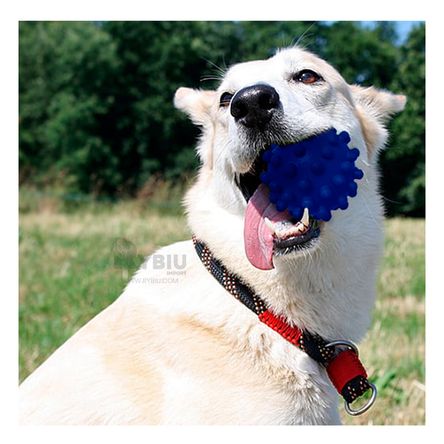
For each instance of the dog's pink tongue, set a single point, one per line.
(258, 237)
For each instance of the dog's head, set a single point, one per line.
(282, 100)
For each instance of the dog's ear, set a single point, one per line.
(378, 103)
(196, 103)
(374, 108)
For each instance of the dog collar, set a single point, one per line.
(343, 366)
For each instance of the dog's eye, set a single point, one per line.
(225, 99)
(307, 76)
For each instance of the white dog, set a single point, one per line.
(179, 348)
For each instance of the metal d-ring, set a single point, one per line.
(351, 345)
(366, 406)
(371, 401)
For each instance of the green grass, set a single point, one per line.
(75, 262)
(394, 348)
(77, 256)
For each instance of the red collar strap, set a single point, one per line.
(343, 366)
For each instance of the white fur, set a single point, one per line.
(187, 352)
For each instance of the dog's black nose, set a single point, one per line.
(253, 106)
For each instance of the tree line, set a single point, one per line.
(95, 98)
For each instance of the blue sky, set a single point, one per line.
(404, 28)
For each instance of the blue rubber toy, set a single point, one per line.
(318, 173)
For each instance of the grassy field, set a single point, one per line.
(71, 268)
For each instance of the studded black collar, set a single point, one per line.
(343, 366)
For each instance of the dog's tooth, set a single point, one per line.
(301, 227)
(269, 224)
(306, 218)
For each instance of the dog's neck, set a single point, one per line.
(326, 292)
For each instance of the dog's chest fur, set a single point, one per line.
(243, 372)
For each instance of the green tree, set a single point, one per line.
(145, 132)
(403, 163)
(65, 72)
(362, 55)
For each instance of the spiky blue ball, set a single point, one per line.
(318, 173)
